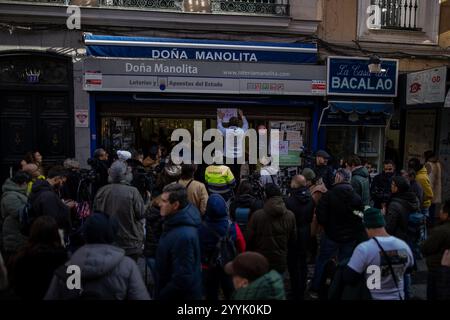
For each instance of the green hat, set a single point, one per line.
(373, 218)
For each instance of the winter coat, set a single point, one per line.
(45, 201)
(217, 221)
(438, 241)
(336, 213)
(12, 202)
(32, 270)
(434, 170)
(301, 203)
(423, 179)
(153, 230)
(272, 232)
(326, 173)
(126, 204)
(245, 201)
(360, 183)
(267, 287)
(380, 190)
(197, 193)
(398, 210)
(178, 266)
(106, 274)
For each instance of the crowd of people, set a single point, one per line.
(145, 228)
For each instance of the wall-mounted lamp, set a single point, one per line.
(375, 64)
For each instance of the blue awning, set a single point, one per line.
(386, 108)
(204, 50)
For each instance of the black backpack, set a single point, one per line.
(224, 251)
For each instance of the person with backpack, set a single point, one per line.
(253, 279)
(391, 256)
(300, 202)
(178, 265)
(13, 200)
(434, 247)
(197, 193)
(106, 272)
(35, 172)
(45, 200)
(220, 241)
(244, 205)
(272, 230)
(31, 269)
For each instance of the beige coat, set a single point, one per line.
(197, 194)
(434, 170)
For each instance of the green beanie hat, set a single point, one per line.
(373, 218)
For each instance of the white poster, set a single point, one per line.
(228, 114)
(82, 118)
(426, 86)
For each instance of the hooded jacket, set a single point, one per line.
(301, 203)
(267, 287)
(106, 273)
(126, 204)
(12, 202)
(178, 266)
(360, 183)
(272, 232)
(217, 220)
(45, 201)
(336, 212)
(398, 210)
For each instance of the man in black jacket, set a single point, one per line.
(45, 200)
(380, 190)
(322, 169)
(340, 213)
(300, 202)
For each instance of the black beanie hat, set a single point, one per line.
(100, 228)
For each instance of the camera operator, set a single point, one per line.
(141, 179)
(100, 165)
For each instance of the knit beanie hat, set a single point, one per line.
(373, 218)
(346, 176)
(308, 174)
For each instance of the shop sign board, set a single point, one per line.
(350, 76)
(200, 50)
(426, 86)
(174, 76)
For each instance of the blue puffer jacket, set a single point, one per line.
(178, 267)
(216, 218)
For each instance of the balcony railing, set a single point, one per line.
(399, 14)
(251, 7)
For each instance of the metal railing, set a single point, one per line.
(399, 14)
(250, 7)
